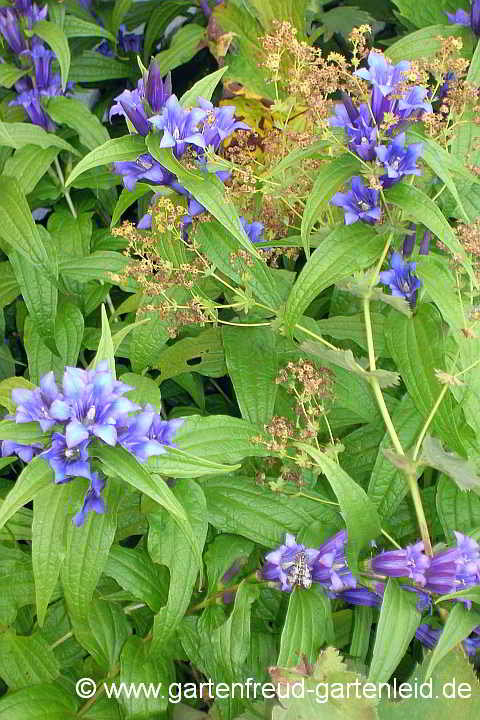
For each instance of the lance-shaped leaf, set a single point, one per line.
(128, 147)
(462, 471)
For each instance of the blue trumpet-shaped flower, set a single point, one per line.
(330, 567)
(11, 31)
(253, 230)
(44, 405)
(145, 167)
(359, 203)
(400, 278)
(410, 562)
(359, 596)
(398, 160)
(219, 123)
(93, 500)
(157, 89)
(358, 125)
(459, 17)
(133, 433)
(96, 404)
(67, 462)
(180, 126)
(290, 565)
(456, 568)
(130, 104)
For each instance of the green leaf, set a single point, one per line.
(135, 572)
(75, 114)
(345, 250)
(440, 284)
(76, 27)
(328, 180)
(236, 504)
(457, 509)
(425, 43)
(9, 74)
(222, 553)
(126, 199)
(9, 289)
(96, 266)
(17, 229)
(305, 627)
(443, 697)
(49, 522)
(120, 9)
(266, 284)
(473, 75)
(104, 633)
(203, 88)
(118, 149)
(39, 293)
(179, 464)
(399, 619)
(420, 208)
(252, 363)
(156, 23)
(94, 67)
(186, 42)
(26, 661)
(459, 625)
(207, 189)
(55, 37)
(362, 626)
(120, 463)
(388, 485)
(105, 351)
(462, 471)
(29, 164)
(36, 476)
(137, 667)
(202, 354)
(69, 327)
(18, 134)
(6, 387)
(357, 509)
(87, 550)
(145, 390)
(39, 702)
(416, 345)
(421, 14)
(168, 546)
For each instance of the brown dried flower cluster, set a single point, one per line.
(313, 388)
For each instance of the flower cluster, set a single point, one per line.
(293, 564)
(471, 19)
(448, 571)
(43, 83)
(152, 107)
(91, 405)
(391, 106)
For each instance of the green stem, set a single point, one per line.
(428, 422)
(317, 337)
(65, 192)
(411, 478)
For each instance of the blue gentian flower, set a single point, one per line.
(93, 500)
(384, 77)
(96, 404)
(410, 562)
(456, 568)
(133, 434)
(145, 222)
(424, 245)
(67, 462)
(359, 596)
(11, 31)
(290, 564)
(207, 11)
(398, 160)
(475, 17)
(163, 431)
(219, 123)
(400, 278)
(145, 167)
(44, 405)
(358, 125)
(157, 90)
(42, 61)
(254, 230)
(428, 635)
(459, 17)
(330, 566)
(180, 126)
(414, 102)
(24, 452)
(359, 203)
(129, 42)
(471, 645)
(30, 101)
(130, 104)
(409, 241)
